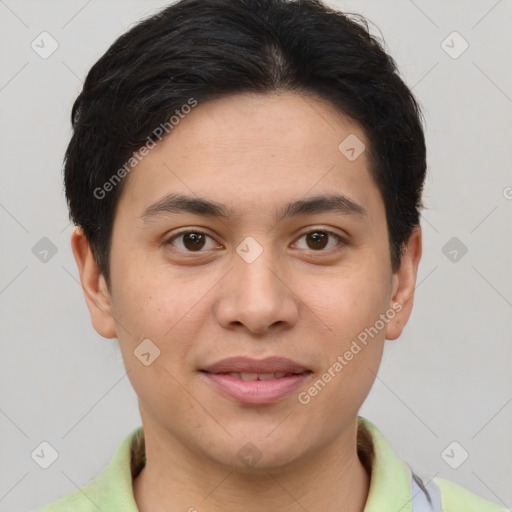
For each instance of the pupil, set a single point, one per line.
(195, 238)
(317, 236)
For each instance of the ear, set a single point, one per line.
(404, 284)
(94, 285)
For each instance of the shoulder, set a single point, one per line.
(77, 501)
(111, 490)
(393, 482)
(456, 498)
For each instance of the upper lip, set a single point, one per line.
(249, 365)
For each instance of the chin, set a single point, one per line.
(254, 454)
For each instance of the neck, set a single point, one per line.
(331, 479)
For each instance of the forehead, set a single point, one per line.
(256, 150)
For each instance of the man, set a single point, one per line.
(246, 179)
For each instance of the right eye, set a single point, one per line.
(190, 241)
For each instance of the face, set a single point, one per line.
(301, 297)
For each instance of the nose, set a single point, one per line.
(258, 296)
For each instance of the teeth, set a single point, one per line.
(258, 376)
(249, 376)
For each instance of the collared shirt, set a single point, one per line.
(394, 487)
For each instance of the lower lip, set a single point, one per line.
(256, 391)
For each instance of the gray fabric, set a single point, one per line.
(425, 498)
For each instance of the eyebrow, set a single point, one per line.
(179, 203)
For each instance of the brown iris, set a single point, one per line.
(319, 239)
(196, 240)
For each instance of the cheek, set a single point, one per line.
(167, 311)
(141, 299)
(360, 331)
(352, 348)
(350, 303)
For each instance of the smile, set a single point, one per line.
(255, 382)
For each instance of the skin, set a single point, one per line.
(307, 302)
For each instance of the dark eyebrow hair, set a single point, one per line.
(179, 203)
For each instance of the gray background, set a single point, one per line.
(446, 379)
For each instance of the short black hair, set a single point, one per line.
(200, 50)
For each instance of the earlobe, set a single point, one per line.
(94, 286)
(404, 284)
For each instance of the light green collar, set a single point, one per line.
(111, 490)
(390, 485)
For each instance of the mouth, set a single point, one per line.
(257, 376)
(256, 382)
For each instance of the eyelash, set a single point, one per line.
(341, 240)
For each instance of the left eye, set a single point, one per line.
(318, 239)
(195, 241)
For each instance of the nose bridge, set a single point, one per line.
(257, 297)
(256, 271)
